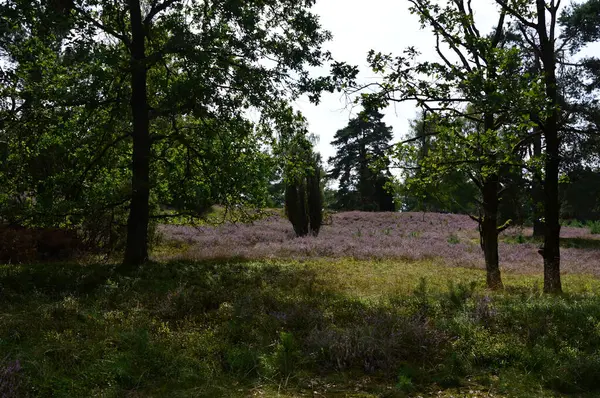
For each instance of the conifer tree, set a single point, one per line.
(360, 164)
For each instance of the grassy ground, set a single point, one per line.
(379, 305)
(289, 328)
(448, 239)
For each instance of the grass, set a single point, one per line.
(318, 327)
(449, 239)
(566, 242)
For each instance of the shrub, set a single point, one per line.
(9, 379)
(241, 361)
(105, 230)
(25, 245)
(17, 245)
(453, 239)
(284, 359)
(304, 201)
(594, 227)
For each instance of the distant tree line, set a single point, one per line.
(510, 123)
(115, 116)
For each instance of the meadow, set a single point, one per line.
(378, 305)
(449, 239)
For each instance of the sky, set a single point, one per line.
(357, 27)
(383, 25)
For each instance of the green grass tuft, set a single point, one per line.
(286, 328)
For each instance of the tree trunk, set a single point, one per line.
(537, 191)
(136, 251)
(489, 232)
(315, 199)
(551, 252)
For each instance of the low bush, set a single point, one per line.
(594, 227)
(25, 245)
(218, 328)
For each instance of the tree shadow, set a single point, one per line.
(53, 279)
(182, 324)
(248, 319)
(565, 242)
(580, 243)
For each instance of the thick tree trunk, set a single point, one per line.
(489, 232)
(136, 251)
(537, 192)
(551, 252)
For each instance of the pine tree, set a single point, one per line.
(360, 164)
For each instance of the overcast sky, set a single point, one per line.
(383, 25)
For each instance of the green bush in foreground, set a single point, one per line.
(594, 227)
(220, 328)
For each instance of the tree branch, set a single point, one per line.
(157, 8)
(515, 14)
(102, 27)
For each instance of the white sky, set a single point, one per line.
(383, 25)
(357, 27)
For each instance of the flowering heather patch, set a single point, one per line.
(450, 238)
(9, 381)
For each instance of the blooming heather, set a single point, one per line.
(448, 238)
(9, 380)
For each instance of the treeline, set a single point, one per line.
(115, 116)
(509, 116)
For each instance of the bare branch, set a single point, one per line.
(515, 14)
(157, 8)
(102, 27)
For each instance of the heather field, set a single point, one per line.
(379, 305)
(447, 239)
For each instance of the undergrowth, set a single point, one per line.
(230, 328)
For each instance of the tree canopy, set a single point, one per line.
(360, 165)
(132, 106)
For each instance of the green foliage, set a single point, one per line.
(453, 239)
(582, 22)
(447, 191)
(594, 227)
(284, 359)
(67, 110)
(573, 223)
(361, 166)
(222, 328)
(580, 195)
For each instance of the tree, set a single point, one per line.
(538, 23)
(304, 199)
(451, 192)
(582, 23)
(360, 164)
(477, 104)
(171, 81)
(578, 102)
(302, 173)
